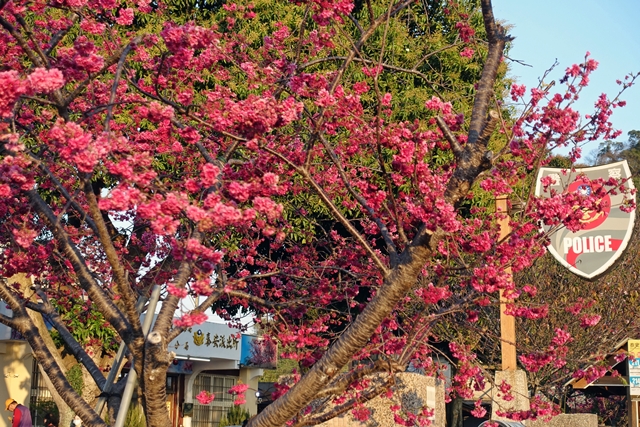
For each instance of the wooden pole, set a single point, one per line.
(507, 322)
(634, 417)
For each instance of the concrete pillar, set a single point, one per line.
(251, 376)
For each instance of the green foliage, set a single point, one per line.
(560, 162)
(87, 326)
(235, 416)
(412, 77)
(135, 417)
(615, 151)
(285, 367)
(74, 375)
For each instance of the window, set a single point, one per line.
(41, 400)
(210, 415)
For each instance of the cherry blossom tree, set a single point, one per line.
(591, 317)
(328, 170)
(596, 316)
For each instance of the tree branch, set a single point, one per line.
(60, 35)
(364, 396)
(108, 62)
(77, 350)
(86, 280)
(41, 54)
(397, 283)
(449, 136)
(363, 38)
(24, 324)
(61, 188)
(386, 235)
(395, 286)
(120, 276)
(164, 321)
(473, 160)
(21, 42)
(334, 210)
(497, 41)
(344, 380)
(371, 62)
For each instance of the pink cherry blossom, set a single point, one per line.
(204, 397)
(11, 87)
(467, 52)
(43, 80)
(591, 320)
(125, 16)
(190, 319)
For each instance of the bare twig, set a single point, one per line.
(371, 62)
(116, 81)
(86, 280)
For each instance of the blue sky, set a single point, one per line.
(546, 30)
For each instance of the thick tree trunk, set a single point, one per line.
(154, 381)
(355, 337)
(90, 390)
(454, 413)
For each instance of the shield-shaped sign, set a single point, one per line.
(590, 251)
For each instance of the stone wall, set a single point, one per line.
(567, 420)
(412, 392)
(519, 393)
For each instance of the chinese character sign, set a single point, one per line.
(605, 232)
(209, 340)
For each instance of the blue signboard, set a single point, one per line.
(258, 352)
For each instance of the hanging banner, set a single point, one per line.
(590, 251)
(634, 366)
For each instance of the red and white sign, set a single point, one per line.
(605, 233)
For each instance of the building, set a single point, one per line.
(211, 357)
(17, 364)
(214, 357)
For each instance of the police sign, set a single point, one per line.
(605, 233)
